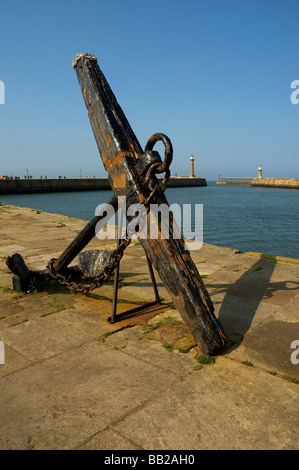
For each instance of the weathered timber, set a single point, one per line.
(126, 163)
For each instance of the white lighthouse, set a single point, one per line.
(260, 172)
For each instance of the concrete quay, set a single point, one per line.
(50, 185)
(287, 183)
(71, 380)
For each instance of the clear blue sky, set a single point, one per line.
(214, 75)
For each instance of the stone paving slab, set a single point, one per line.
(135, 342)
(238, 314)
(60, 403)
(48, 336)
(71, 380)
(269, 346)
(222, 406)
(14, 361)
(290, 311)
(109, 439)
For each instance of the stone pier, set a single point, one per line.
(72, 380)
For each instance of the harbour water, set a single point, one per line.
(264, 220)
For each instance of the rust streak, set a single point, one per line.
(116, 160)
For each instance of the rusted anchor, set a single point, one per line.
(132, 173)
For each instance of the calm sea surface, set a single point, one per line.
(249, 219)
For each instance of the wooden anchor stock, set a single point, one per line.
(127, 164)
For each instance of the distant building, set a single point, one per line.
(260, 172)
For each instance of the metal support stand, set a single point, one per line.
(117, 317)
(143, 308)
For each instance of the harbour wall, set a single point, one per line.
(242, 183)
(185, 181)
(263, 182)
(23, 186)
(276, 183)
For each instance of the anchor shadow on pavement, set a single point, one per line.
(244, 304)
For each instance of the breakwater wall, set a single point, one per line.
(262, 182)
(23, 186)
(234, 180)
(242, 183)
(185, 181)
(276, 183)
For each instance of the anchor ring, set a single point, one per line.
(158, 167)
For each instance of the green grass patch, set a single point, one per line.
(202, 359)
(247, 363)
(197, 367)
(104, 336)
(272, 372)
(121, 282)
(59, 309)
(217, 288)
(24, 320)
(167, 346)
(6, 290)
(56, 310)
(47, 314)
(184, 351)
(159, 323)
(257, 268)
(290, 379)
